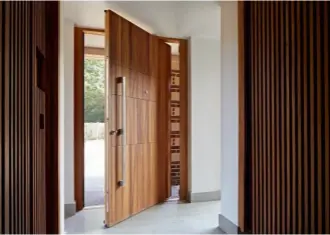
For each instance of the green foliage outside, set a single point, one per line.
(94, 90)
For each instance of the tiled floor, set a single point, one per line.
(169, 218)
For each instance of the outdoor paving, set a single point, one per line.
(94, 173)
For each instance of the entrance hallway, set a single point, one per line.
(173, 218)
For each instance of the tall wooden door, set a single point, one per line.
(136, 119)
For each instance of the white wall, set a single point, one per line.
(204, 110)
(229, 111)
(68, 111)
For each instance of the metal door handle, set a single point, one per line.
(122, 80)
(116, 132)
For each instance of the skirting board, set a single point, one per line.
(227, 226)
(204, 197)
(69, 210)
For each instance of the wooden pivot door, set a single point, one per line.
(137, 152)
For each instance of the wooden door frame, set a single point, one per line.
(52, 32)
(242, 122)
(79, 163)
(184, 127)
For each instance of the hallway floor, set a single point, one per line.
(167, 218)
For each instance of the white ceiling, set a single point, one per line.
(177, 19)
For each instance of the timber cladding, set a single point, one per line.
(286, 72)
(23, 118)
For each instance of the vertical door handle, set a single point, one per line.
(122, 131)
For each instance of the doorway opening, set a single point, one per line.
(174, 122)
(94, 107)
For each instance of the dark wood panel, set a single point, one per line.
(312, 116)
(22, 142)
(293, 163)
(287, 111)
(1, 111)
(326, 114)
(319, 109)
(273, 118)
(299, 121)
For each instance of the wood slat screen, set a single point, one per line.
(22, 116)
(287, 132)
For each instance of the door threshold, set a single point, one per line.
(93, 207)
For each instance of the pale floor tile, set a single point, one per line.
(170, 218)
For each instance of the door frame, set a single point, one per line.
(184, 127)
(52, 72)
(79, 162)
(243, 180)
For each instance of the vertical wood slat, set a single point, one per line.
(299, 121)
(8, 10)
(263, 116)
(319, 121)
(287, 112)
(326, 115)
(259, 197)
(19, 114)
(1, 112)
(277, 87)
(253, 113)
(16, 159)
(305, 121)
(292, 194)
(289, 117)
(312, 116)
(282, 106)
(268, 118)
(273, 122)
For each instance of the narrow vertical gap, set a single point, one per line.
(253, 108)
(268, 118)
(282, 116)
(326, 115)
(2, 23)
(260, 193)
(263, 115)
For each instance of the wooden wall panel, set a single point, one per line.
(23, 88)
(287, 115)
